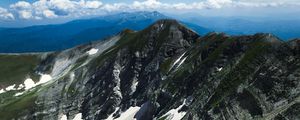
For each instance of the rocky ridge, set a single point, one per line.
(165, 72)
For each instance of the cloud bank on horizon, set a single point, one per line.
(48, 9)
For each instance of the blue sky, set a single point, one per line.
(55, 10)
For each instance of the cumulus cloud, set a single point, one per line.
(49, 14)
(5, 15)
(93, 4)
(21, 5)
(54, 8)
(24, 14)
(148, 4)
(66, 8)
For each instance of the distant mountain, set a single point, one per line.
(284, 29)
(58, 37)
(163, 72)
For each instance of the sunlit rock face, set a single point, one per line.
(164, 72)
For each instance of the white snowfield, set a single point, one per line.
(9, 88)
(78, 116)
(219, 69)
(21, 86)
(173, 114)
(64, 117)
(2, 91)
(110, 117)
(126, 115)
(181, 62)
(178, 62)
(44, 78)
(20, 93)
(27, 84)
(129, 114)
(92, 51)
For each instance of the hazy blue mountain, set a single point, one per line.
(283, 28)
(58, 37)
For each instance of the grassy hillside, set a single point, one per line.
(15, 68)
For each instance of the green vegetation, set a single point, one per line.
(15, 68)
(134, 41)
(239, 73)
(71, 90)
(79, 62)
(18, 107)
(163, 118)
(166, 65)
(8, 96)
(185, 71)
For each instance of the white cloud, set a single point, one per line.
(5, 15)
(49, 14)
(67, 8)
(218, 3)
(54, 8)
(21, 5)
(114, 7)
(93, 4)
(25, 14)
(148, 4)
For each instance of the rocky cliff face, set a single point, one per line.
(164, 72)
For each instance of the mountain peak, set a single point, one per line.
(268, 37)
(170, 23)
(167, 21)
(126, 31)
(174, 27)
(295, 44)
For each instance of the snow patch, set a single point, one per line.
(44, 78)
(133, 86)
(129, 114)
(111, 117)
(78, 116)
(64, 117)
(9, 88)
(178, 59)
(173, 114)
(137, 54)
(219, 69)
(20, 93)
(21, 86)
(181, 62)
(29, 83)
(2, 91)
(92, 51)
(72, 76)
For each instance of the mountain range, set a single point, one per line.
(284, 28)
(165, 71)
(46, 38)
